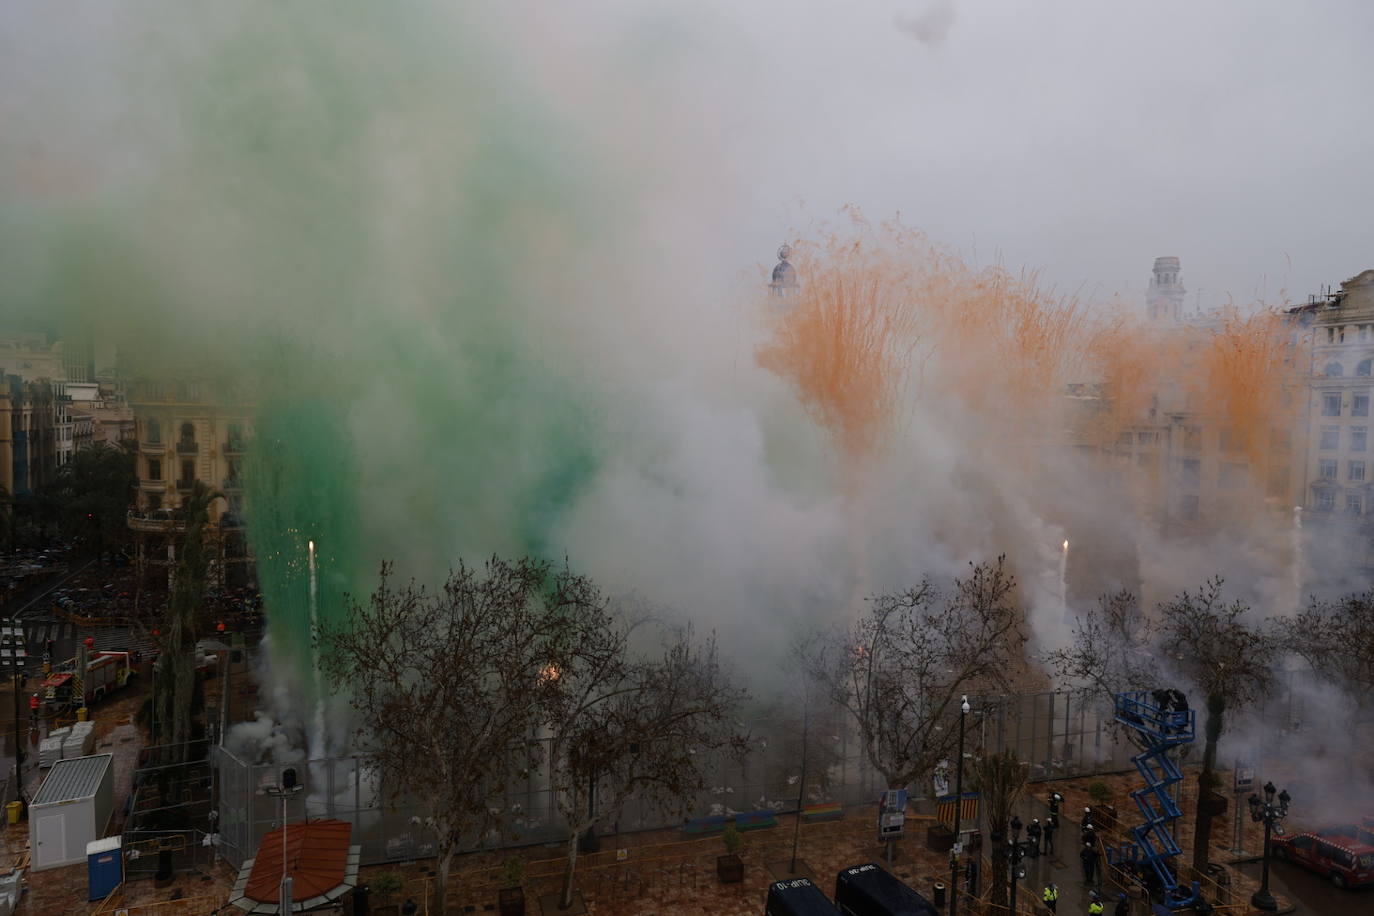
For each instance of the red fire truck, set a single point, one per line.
(1337, 856)
(105, 671)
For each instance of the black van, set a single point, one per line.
(868, 890)
(798, 897)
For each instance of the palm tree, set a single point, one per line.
(1000, 778)
(177, 660)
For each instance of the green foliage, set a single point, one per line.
(1100, 793)
(513, 871)
(386, 884)
(732, 839)
(91, 495)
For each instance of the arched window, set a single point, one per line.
(1364, 366)
(1335, 369)
(154, 431)
(187, 442)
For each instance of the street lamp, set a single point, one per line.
(958, 810)
(1267, 812)
(1014, 856)
(288, 788)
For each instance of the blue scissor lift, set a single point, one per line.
(1160, 728)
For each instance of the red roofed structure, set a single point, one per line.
(322, 865)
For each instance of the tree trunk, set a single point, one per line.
(441, 880)
(999, 886)
(565, 900)
(1206, 782)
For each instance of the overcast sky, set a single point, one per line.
(1079, 137)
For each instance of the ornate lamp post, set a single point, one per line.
(1014, 856)
(958, 810)
(1267, 812)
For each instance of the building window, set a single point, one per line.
(154, 432)
(1331, 404)
(1359, 436)
(1334, 369)
(1353, 504)
(188, 434)
(1359, 405)
(1363, 367)
(1357, 470)
(1188, 506)
(1147, 438)
(1331, 438)
(1232, 440)
(1124, 440)
(1232, 476)
(188, 472)
(154, 469)
(154, 502)
(1192, 438)
(1192, 472)
(1326, 467)
(1326, 500)
(1330, 335)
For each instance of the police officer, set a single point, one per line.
(1088, 856)
(1055, 800)
(1033, 838)
(1051, 897)
(1123, 905)
(1095, 907)
(1051, 825)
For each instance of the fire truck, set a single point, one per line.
(105, 671)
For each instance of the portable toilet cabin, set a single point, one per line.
(72, 809)
(870, 890)
(797, 897)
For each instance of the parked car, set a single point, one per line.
(1337, 856)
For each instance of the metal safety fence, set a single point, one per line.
(1061, 734)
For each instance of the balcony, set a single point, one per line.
(234, 447)
(185, 485)
(150, 483)
(187, 448)
(151, 448)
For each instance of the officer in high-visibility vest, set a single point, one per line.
(1051, 897)
(1095, 907)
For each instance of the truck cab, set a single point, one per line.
(797, 897)
(870, 890)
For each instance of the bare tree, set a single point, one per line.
(1230, 661)
(901, 668)
(635, 728)
(1110, 652)
(1001, 779)
(444, 684)
(1337, 640)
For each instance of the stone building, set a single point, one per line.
(189, 429)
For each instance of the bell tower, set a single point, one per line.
(1164, 299)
